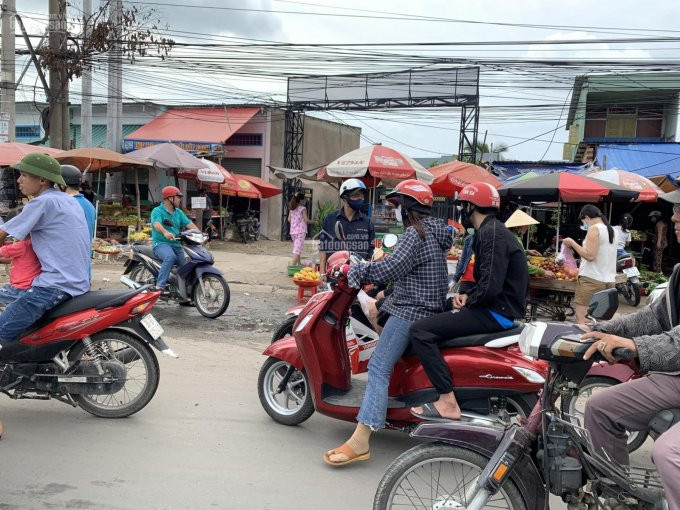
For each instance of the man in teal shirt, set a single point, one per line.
(167, 221)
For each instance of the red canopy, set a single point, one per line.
(452, 177)
(13, 152)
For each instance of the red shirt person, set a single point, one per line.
(24, 268)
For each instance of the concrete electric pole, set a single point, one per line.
(59, 114)
(86, 104)
(7, 63)
(114, 124)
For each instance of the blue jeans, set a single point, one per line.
(170, 255)
(27, 310)
(9, 294)
(391, 345)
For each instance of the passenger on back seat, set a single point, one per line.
(489, 305)
(61, 242)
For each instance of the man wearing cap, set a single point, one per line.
(653, 334)
(168, 220)
(61, 242)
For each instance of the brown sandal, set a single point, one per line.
(345, 450)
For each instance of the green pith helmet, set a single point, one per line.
(41, 165)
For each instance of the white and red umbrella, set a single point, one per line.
(648, 191)
(379, 162)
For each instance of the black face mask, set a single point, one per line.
(465, 218)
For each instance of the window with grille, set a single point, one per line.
(27, 132)
(245, 139)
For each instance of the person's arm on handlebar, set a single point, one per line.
(161, 230)
(393, 267)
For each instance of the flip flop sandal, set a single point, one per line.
(345, 450)
(430, 413)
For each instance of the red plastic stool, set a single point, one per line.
(305, 290)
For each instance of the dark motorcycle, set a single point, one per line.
(248, 226)
(630, 289)
(198, 279)
(519, 466)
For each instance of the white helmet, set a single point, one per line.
(351, 185)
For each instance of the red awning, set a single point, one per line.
(193, 127)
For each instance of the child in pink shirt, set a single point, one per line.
(24, 267)
(298, 219)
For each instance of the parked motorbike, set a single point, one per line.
(248, 226)
(519, 465)
(312, 370)
(630, 289)
(198, 279)
(93, 351)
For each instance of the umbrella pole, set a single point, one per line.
(96, 206)
(137, 197)
(559, 220)
(219, 211)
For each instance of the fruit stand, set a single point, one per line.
(114, 220)
(551, 297)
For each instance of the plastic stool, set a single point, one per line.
(303, 294)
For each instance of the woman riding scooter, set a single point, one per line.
(418, 269)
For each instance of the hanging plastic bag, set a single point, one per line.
(566, 258)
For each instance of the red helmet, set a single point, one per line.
(419, 193)
(481, 194)
(171, 191)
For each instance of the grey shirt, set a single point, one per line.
(61, 240)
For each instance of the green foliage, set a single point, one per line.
(323, 209)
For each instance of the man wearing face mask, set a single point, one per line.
(358, 228)
(490, 304)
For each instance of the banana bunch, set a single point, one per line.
(307, 274)
(138, 237)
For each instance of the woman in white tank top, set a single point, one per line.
(598, 259)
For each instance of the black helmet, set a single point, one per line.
(71, 175)
(626, 220)
(655, 214)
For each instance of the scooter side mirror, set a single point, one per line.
(390, 241)
(603, 304)
(339, 231)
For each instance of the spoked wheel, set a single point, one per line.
(438, 476)
(293, 404)
(140, 274)
(632, 293)
(575, 407)
(211, 295)
(544, 309)
(141, 374)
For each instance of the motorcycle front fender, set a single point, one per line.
(484, 441)
(285, 350)
(619, 371)
(207, 269)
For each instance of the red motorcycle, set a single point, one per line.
(92, 351)
(312, 370)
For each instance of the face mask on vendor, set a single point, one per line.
(398, 215)
(465, 213)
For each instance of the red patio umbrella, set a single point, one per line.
(13, 152)
(649, 192)
(451, 177)
(266, 189)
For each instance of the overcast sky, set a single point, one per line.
(423, 134)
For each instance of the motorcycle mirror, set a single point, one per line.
(603, 304)
(168, 222)
(339, 231)
(390, 241)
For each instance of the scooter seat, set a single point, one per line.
(664, 420)
(98, 299)
(145, 250)
(475, 340)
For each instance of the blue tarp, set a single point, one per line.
(646, 159)
(507, 171)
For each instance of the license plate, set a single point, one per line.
(631, 271)
(152, 327)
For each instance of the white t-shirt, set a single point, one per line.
(622, 238)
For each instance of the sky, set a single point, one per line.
(509, 113)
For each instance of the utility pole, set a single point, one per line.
(59, 115)
(7, 61)
(114, 124)
(86, 103)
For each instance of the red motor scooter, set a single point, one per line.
(92, 351)
(311, 371)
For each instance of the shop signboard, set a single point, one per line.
(192, 147)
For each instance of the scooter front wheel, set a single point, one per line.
(211, 295)
(438, 475)
(293, 404)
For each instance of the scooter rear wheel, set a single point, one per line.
(294, 404)
(437, 475)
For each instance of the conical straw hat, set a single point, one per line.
(520, 219)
